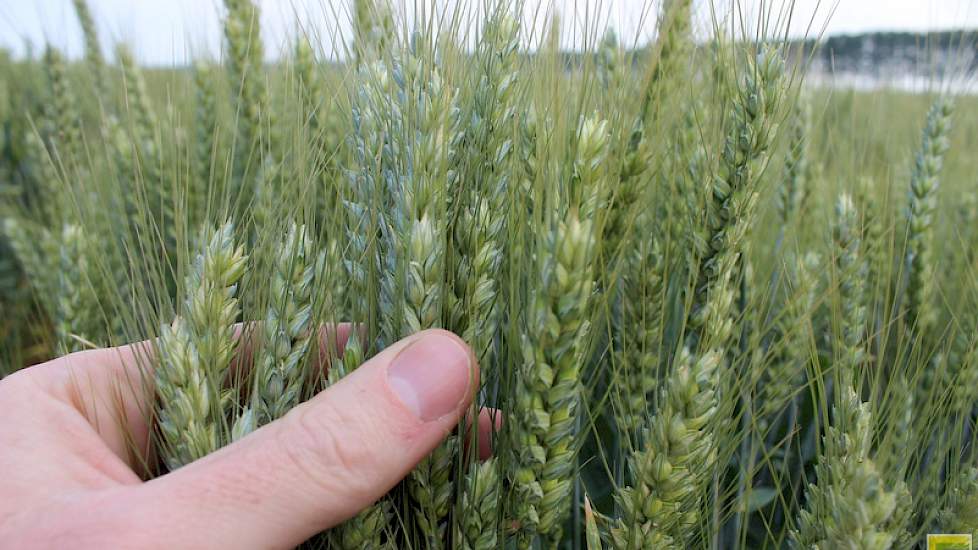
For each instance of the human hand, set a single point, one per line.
(68, 428)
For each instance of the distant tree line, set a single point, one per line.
(943, 51)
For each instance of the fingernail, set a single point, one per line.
(431, 376)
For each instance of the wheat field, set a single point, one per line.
(714, 306)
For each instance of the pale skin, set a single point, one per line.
(74, 440)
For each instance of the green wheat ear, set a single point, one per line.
(37, 252)
(196, 351)
(479, 527)
(732, 203)
(146, 163)
(669, 471)
(851, 505)
(960, 515)
(249, 95)
(93, 49)
(373, 22)
(674, 47)
(795, 183)
(479, 234)
(549, 394)
(61, 123)
(286, 329)
(206, 133)
(851, 274)
(782, 379)
(924, 183)
(78, 307)
(638, 350)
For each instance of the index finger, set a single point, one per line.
(114, 388)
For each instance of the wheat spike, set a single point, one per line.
(196, 351)
(480, 507)
(549, 390)
(62, 124)
(851, 273)
(77, 304)
(638, 348)
(794, 184)
(287, 328)
(921, 310)
(249, 94)
(669, 472)
(206, 154)
(960, 515)
(373, 29)
(851, 505)
(93, 49)
(733, 199)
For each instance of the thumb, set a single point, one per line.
(327, 459)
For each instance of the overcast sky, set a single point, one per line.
(173, 31)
